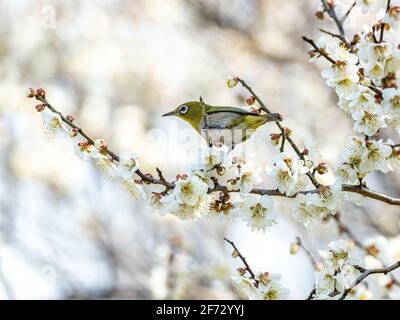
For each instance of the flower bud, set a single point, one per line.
(322, 168)
(232, 82)
(40, 107)
(389, 284)
(242, 271)
(275, 138)
(100, 144)
(251, 100)
(308, 163)
(41, 93)
(30, 93)
(319, 14)
(287, 131)
(73, 132)
(70, 118)
(264, 277)
(372, 250)
(235, 254)
(294, 248)
(356, 38)
(221, 170)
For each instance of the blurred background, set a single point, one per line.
(65, 231)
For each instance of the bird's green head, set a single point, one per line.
(192, 112)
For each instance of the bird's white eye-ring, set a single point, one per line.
(183, 109)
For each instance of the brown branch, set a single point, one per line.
(366, 273)
(372, 194)
(330, 9)
(252, 274)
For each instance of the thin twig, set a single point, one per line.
(113, 156)
(252, 274)
(334, 35)
(348, 12)
(313, 261)
(321, 52)
(330, 9)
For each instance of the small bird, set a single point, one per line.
(219, 126)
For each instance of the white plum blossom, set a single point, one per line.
(366, 5)
(338, 273)
(375, 156)
(211, 157)
(245, 286)
(347, 275)
(269, 287)
(364, 157)
(288, 174)
(248, 178)
(53, 124)
(86, 150)
(391, 102)
(189, 191)
(315, 206)
(330, 197)
(368, 122)
(135, 189)
(189, 199)
(128, 164)
(325, 283)
(306, 211)
(105, 165)
(343, 76)
(363, 101)
(257, 212)
(392, 17)
(345, 173)
(339, 254)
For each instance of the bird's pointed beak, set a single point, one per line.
(172, 113)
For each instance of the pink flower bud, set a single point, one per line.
(40, 107)
(70, 118)
(320, 15)
(30, 93)
(251, 100)
(41, 93)
(73, 132)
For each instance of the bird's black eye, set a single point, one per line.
(183, 109)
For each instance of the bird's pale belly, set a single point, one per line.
(227, 137)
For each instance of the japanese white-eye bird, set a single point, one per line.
(222, 125)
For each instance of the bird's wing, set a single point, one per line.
(221, 120)
(212, 110)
